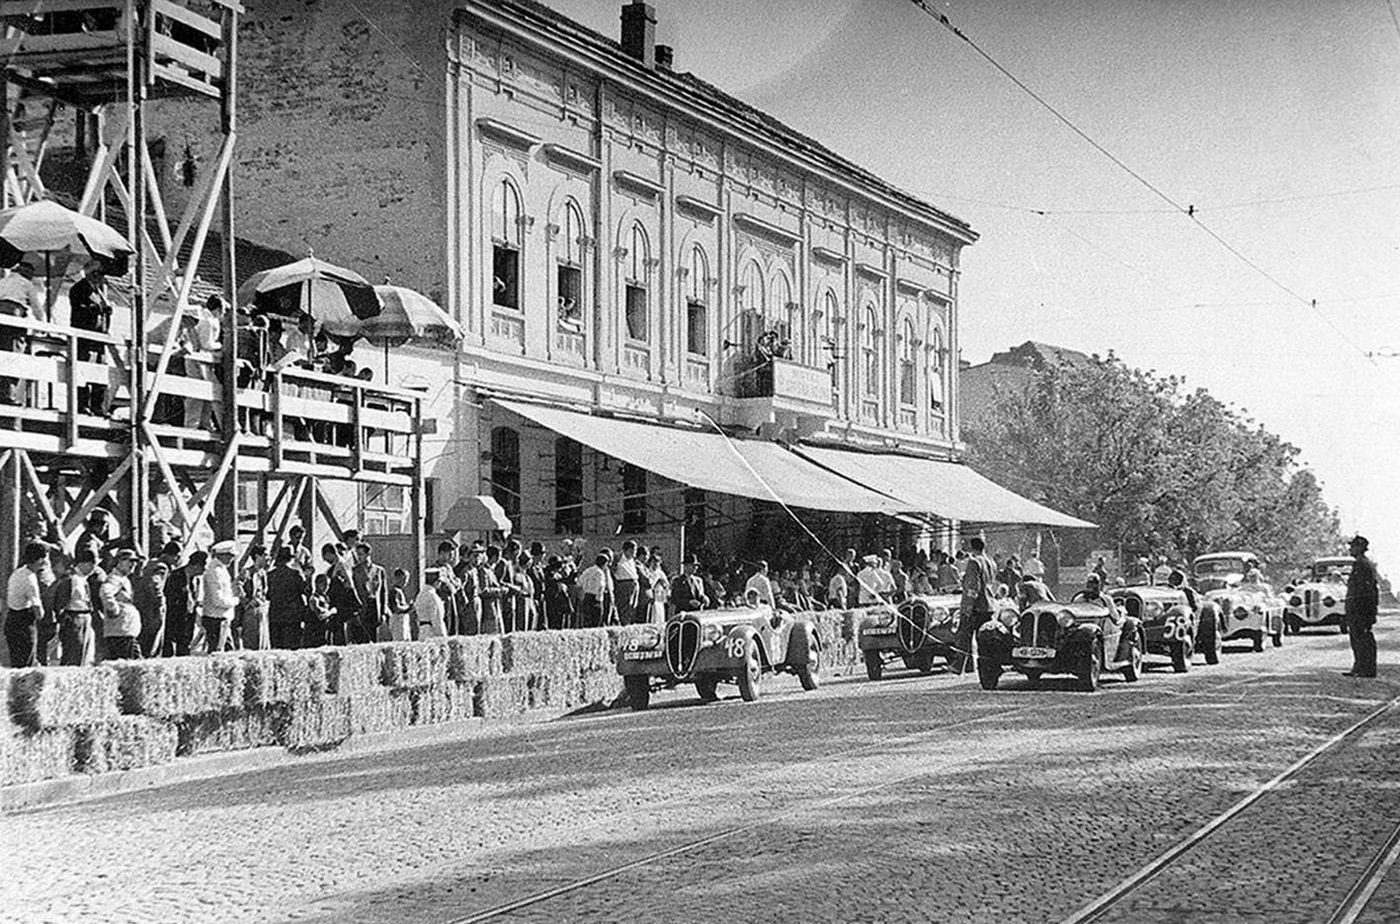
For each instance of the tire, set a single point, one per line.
(1292, 626)
(638, 688)
(1277, 638)
(874, 665)
(1089, 677)
(988, 673)
(1342, 626)
(808, 674)
(923, 662)
(1033, 677)
(1259, 640)
(708, 688)
(1181, 656)
(1132, 671)
(1211, 645)
(751, 676)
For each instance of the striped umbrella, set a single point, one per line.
(408, 315)
(337, 299)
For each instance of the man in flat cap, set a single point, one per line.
(1363, 600)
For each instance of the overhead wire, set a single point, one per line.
(1188, 210)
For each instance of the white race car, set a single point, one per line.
(1319, 598)
(1248, 610)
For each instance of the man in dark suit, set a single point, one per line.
(287, 590)
(1363, 600)
(689, 591)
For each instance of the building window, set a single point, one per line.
(908, 380)
(697, 332)
(839, 356)
(634, 499)
(935, 371)
(569, 270)
(870, 356)
(505, 246)
(384, 509)
(788, 324)
(638, 267)
(505, 470)
(568, 487)
(821, 348)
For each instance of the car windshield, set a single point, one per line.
(1339, 569)
(1217, 566)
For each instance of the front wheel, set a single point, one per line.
(874, 665)
(638, 688)
(1212, 645)
(1342, 626)
(1259, 640)
(1089, 676)
(807, 674)
(1277, 638)
(708, 688)
(751, 674)
(1181, 656)
(988, 673)
(1133, 669)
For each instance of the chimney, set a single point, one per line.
(665, 57)
(639, 32)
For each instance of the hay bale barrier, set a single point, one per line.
(60, 721)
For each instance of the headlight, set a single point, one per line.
(1328, 601)
(1065, 619)
(937, 617)
(1241, 613)
(883, 619)
(710, 634)
(1295, 601)
(1008, 618)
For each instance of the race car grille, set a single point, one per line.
(682, 646)
(1312, 603)
(912, 627)
(1037, 629)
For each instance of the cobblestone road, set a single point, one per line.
(916, 798)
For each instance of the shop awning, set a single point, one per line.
(705, 459)
(947, 489)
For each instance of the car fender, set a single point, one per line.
(1130, 634)
(1079, 641)
(735, 641)
(803, 641)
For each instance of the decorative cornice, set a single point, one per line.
(706, 210)
(571, 159)
(638, 183)
(502, 131)
(759, 226)
(827, 255)
(869, 269)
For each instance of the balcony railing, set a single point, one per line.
(787, 380)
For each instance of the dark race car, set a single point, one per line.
(1082, 638)
(916, 632)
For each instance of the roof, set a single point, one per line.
(1038, 355)
(694, 90)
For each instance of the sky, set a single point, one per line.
(1279, 122)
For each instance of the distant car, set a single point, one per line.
(1251, 612)
(1320, 597)
(710, 647)
(1083, 638)
(1171, 626)
(1221, 570)
(917, 631)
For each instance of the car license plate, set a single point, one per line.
(878, 630)
(1036, 654)
(640, 655)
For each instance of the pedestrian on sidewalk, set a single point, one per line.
(1363, 601)
(121, 620)
(25, 604)
(287, 590)
(148, 593)
(978, 585)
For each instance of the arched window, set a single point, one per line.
(569, 269)
(568, 487)
(506, 234)
(821, 348)
(754, 297)
(908, 365)
(638, 288)
(697, 331)
(789, 318)
(505, 470)
(935, 370)
(870, 355)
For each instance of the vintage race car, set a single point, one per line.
(1250, 611)
(1320, 598)
(1169, 622)
(1221, 570)
(709, 647)
(1083, 638)
(919, 630)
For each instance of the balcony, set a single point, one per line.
(788, 385)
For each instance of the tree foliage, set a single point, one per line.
(1159, 468)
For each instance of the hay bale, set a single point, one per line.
(380, 710)
(413, 665)
(283, 677)
(351, 669)
(29, 757)
(593, 649)
(53, 697)
(533, 652)
(446, 702)
(600, 686)
(473, 657)
(176, 687)
(233, 730)
(498, 697)
(125, 743)
(319, 722)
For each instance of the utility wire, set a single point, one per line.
(1188, 211)
(1390, 4)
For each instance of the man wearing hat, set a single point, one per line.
(1363, 600)
(121, 620)
(219, 598)
(689, 592)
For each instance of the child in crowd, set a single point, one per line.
(318, 612)
(400, 609)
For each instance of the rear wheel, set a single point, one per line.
(1342, 626)
(1089, 676)
(708, 688)
(1211, 643)
(638, 688)
(807, 674)
(1181, 655)
(1277, 638)
(751, 674)
(874, 665)
(1133, 670)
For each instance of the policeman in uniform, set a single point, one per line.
(1363, 599)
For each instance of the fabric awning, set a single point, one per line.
(749, 468)
(947, 489)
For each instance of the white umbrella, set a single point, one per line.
(48, 227)
(338, 299)
(409, 315)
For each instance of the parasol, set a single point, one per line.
(337, 299)
(409, 315)
(48, 227)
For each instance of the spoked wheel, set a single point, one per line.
(638, 688)
(1089, 676)
(708, 688)
(808, 674)
(874, 665)
(751, 675)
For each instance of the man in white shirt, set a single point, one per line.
(428, 609)
(121, 620)
(220, 598)
(838, 591)
(596, 590)
(25, 604)
(761, 585)
(875, 583)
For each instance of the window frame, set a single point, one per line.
(507, 240)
